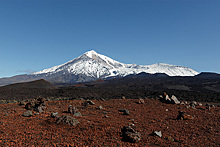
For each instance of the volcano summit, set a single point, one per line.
(91, 66)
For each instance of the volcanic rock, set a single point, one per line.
(125, 111)
(174, 100)
(183, 116)
(39, 109)
(88, 102)
(141, 101)
(55, 115)
(74, 111)
(27, 114)
(130, 135)
(99, 108)
(22, 103)
(158, 133)
(67, 120)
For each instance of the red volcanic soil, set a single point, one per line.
(95, 129)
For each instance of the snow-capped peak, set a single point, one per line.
(94, 65)
(91, 53)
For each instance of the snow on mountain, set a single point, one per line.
(94, 65)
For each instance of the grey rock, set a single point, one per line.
(67, 120)
(70, 109)
(54, 115)
(126, 112)
(174, 100)
(158, 133)
(27, 114)
(90, 102)
(130, 135)
(39, 109)
(77, 114)
(22, 103)
(194, 103)
(99, 108)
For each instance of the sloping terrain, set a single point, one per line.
(103, 127)
(33, 84)
(198, 88)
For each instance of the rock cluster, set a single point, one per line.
(74, 111)
(166, 99)
(67, 120)
(37, 104)
(130, 135)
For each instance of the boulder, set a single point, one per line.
(27, 114)
(174, 100)
(67, 120)
(130, 135)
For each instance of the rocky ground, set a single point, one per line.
(102, 127)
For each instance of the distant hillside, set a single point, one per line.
(199, 88)
(34, 84)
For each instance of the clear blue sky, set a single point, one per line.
(38, 34)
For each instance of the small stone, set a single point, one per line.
(187, 106)
(141, 101)
(194, 103)
(123, 98)
(106, 116)
(77, 114)
(90, 102)
(170, 138)
(22, 103)
(183, 116)
(27, 114)
(70, 109)
(54, 115)
(126, 112)
(212, 106)
(158, 133)
(99, 108)
(39, 109)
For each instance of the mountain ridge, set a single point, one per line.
(92, 66)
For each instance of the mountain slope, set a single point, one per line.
(92, 66)
(95, 65)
